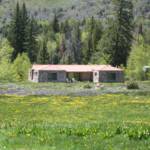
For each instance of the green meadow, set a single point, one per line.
(104, 122)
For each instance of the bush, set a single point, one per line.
(87, 86)
(7, 72)
(21, 67)
(132, 85)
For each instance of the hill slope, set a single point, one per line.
(71, 8)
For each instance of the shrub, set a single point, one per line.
(132, 85)
(21, 67)
(87, 86)
(7, 72)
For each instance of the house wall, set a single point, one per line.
(29, 75)
(86, 76)
(96, 76)
(33, 75)
(43, 76)
(103, 76)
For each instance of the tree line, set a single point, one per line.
(73, 41)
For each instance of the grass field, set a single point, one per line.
(104, 122)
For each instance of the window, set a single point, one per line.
(111, 76)
(52, 76)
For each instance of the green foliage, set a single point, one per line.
(90, 37)
(32, 45)
(55, 24)
(22, 33)
(76, 43)
(43, 56)
(132, 85)
(21, 67)
(15, 32)
(87, 86)
(139, 57)
(117, 39)
(24, 26)
(5, 50)
(123, 33)
(17, 71)
(6, 70)
(106, 45)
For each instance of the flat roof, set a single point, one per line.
(75, 68)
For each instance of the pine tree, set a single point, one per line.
(19, 31)
(94, 29)
(91, 42)
(24, 29)
(123, 31)
(67, 30)
(96, 35)
(116, 42)
(105, 47)
(43, 56)
(55, 24)
(68, 50)
(32, 49)
(15, 30)
(76, 45)
(62, 47)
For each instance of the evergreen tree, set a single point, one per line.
(116, 42)
(96, 35)
(94, 29)
(123, 31)
(19, 31)
(68, 50)
(105, 47)
(89, 50)
(62, 27)
(15, 32)
(67, 30)
(76, 45)
(43, 56)
(32, 49)
(91, 41)
(55, 24)
(24, 29)
(92, 24)
(62, 48)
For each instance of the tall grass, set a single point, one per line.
(111, 121)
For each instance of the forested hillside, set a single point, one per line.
(74, 32)
(72, 8)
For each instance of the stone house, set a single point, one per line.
(64, 73)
